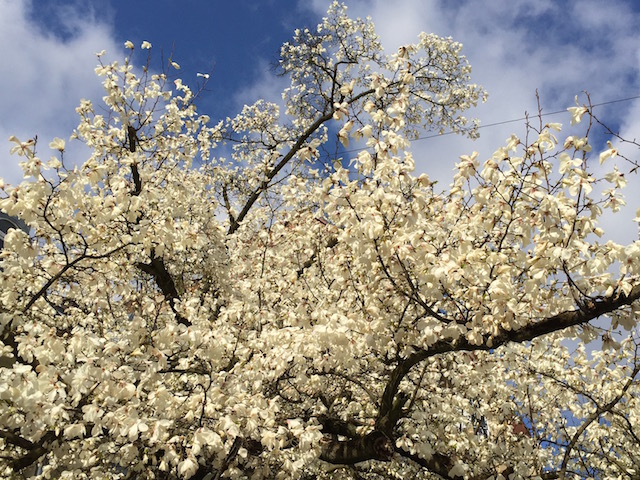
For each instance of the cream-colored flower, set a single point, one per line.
(609, 153)
(57, 144)
(22, 148)
(577, 112)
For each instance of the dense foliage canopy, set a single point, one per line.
(202, 300)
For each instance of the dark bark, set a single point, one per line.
(158, 270)
(203, 470)
(376, 445)
(561, 321)
(34, 450)
(437, 463)
(373, 446)
(136, 180)
(131, 133)
(235, 223)
(334, 426)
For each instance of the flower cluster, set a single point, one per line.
(179, 313)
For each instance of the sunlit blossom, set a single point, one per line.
(232, 299)
(57, 144)
(577, 112)
(609, 153)
(21, 149)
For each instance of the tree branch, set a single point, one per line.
(204, 471)
(373, 446)
(331, 242)
(438, 463)
(552, 324)
(591, 418)
(137, 182)
(64, 269)
(235, 223)
(158, 270)
(17, 440)
(34, 450)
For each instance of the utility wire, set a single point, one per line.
(542, 115)
(504, 122)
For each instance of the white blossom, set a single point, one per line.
(577, 112)
(215, 297)
(57, 144)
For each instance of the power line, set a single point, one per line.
(504, 122)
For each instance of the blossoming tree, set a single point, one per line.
(268, 314)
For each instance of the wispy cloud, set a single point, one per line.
(515, 47)
(44, 72)
(518, 47)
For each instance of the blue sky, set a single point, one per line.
(514, 47)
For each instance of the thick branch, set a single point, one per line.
(158, 270)
(131, 133)
(17, 440)
(374, 446)
(388, 422)
(334, 426)
(235, 223)
(34, 450)
(136, 180)
(437, 463)
(552, 324)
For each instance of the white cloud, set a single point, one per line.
(268, 86)
(622, 227)
(44, 74)
(515, 48)
(518, 46)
